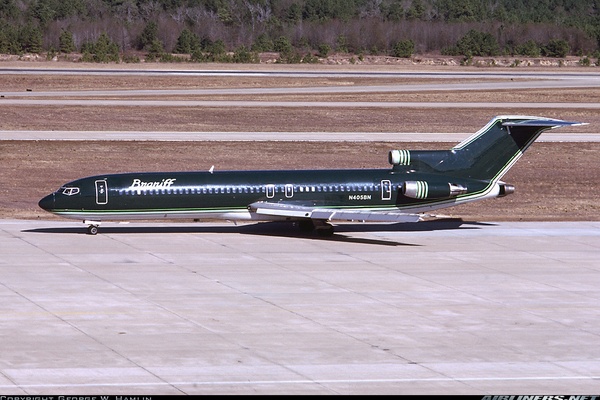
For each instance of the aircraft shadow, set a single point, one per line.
(282, 229)
(425, 226)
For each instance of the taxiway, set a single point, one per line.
(449, 307)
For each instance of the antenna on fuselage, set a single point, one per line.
(212, 168)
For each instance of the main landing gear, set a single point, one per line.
(321, 228)
(92, 228)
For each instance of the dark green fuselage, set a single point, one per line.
(229, 193)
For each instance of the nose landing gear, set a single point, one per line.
(92, 228)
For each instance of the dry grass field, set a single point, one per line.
(554, 181)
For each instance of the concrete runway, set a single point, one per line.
(433, 308)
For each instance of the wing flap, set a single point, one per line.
(374, 216)
(280, 210)
(328, 214)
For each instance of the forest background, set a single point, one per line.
(297, 30)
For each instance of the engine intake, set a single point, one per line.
(423, 190)
(399, 157)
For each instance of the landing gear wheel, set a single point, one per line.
(92, 230)
(325, 231)
(306, 226)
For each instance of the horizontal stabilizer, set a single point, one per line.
(329, 214)
(548, 122)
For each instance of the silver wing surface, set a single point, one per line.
(330, 214)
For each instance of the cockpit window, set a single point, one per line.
(70, 191)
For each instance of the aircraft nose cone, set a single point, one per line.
(47, 203)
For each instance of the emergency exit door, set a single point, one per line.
(386, 190)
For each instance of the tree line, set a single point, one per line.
(299, 30)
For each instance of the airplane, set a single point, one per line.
(418, 182)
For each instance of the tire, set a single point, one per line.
(325, 232)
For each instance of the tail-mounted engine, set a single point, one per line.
(399, 157)
(424, 190)
(505, 189)
(424, 160)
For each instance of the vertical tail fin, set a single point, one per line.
(472, 169)
(494, 149)
(487, 155)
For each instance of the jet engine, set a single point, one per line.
(506, 189)
(424, 190)
(399, 157)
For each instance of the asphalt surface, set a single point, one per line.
(447, 307)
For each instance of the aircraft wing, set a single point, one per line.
(330, 214)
